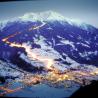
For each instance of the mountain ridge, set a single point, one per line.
(47, 16)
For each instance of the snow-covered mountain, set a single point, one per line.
(43, 16)
(46, 16)
(35, 37)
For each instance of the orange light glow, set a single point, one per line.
(28, 49)
(37, 27)
(34, 56)
(54, 74)
(5, 39)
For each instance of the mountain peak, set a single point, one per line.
(47, 15)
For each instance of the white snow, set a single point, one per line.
(86, 54)
(67, 42)
(46, 16)
(86, 45)
(49, 28)
(6, 70)
(74, 64)
(3, 24)
(42, 16)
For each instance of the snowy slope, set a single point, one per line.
(68, 43)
